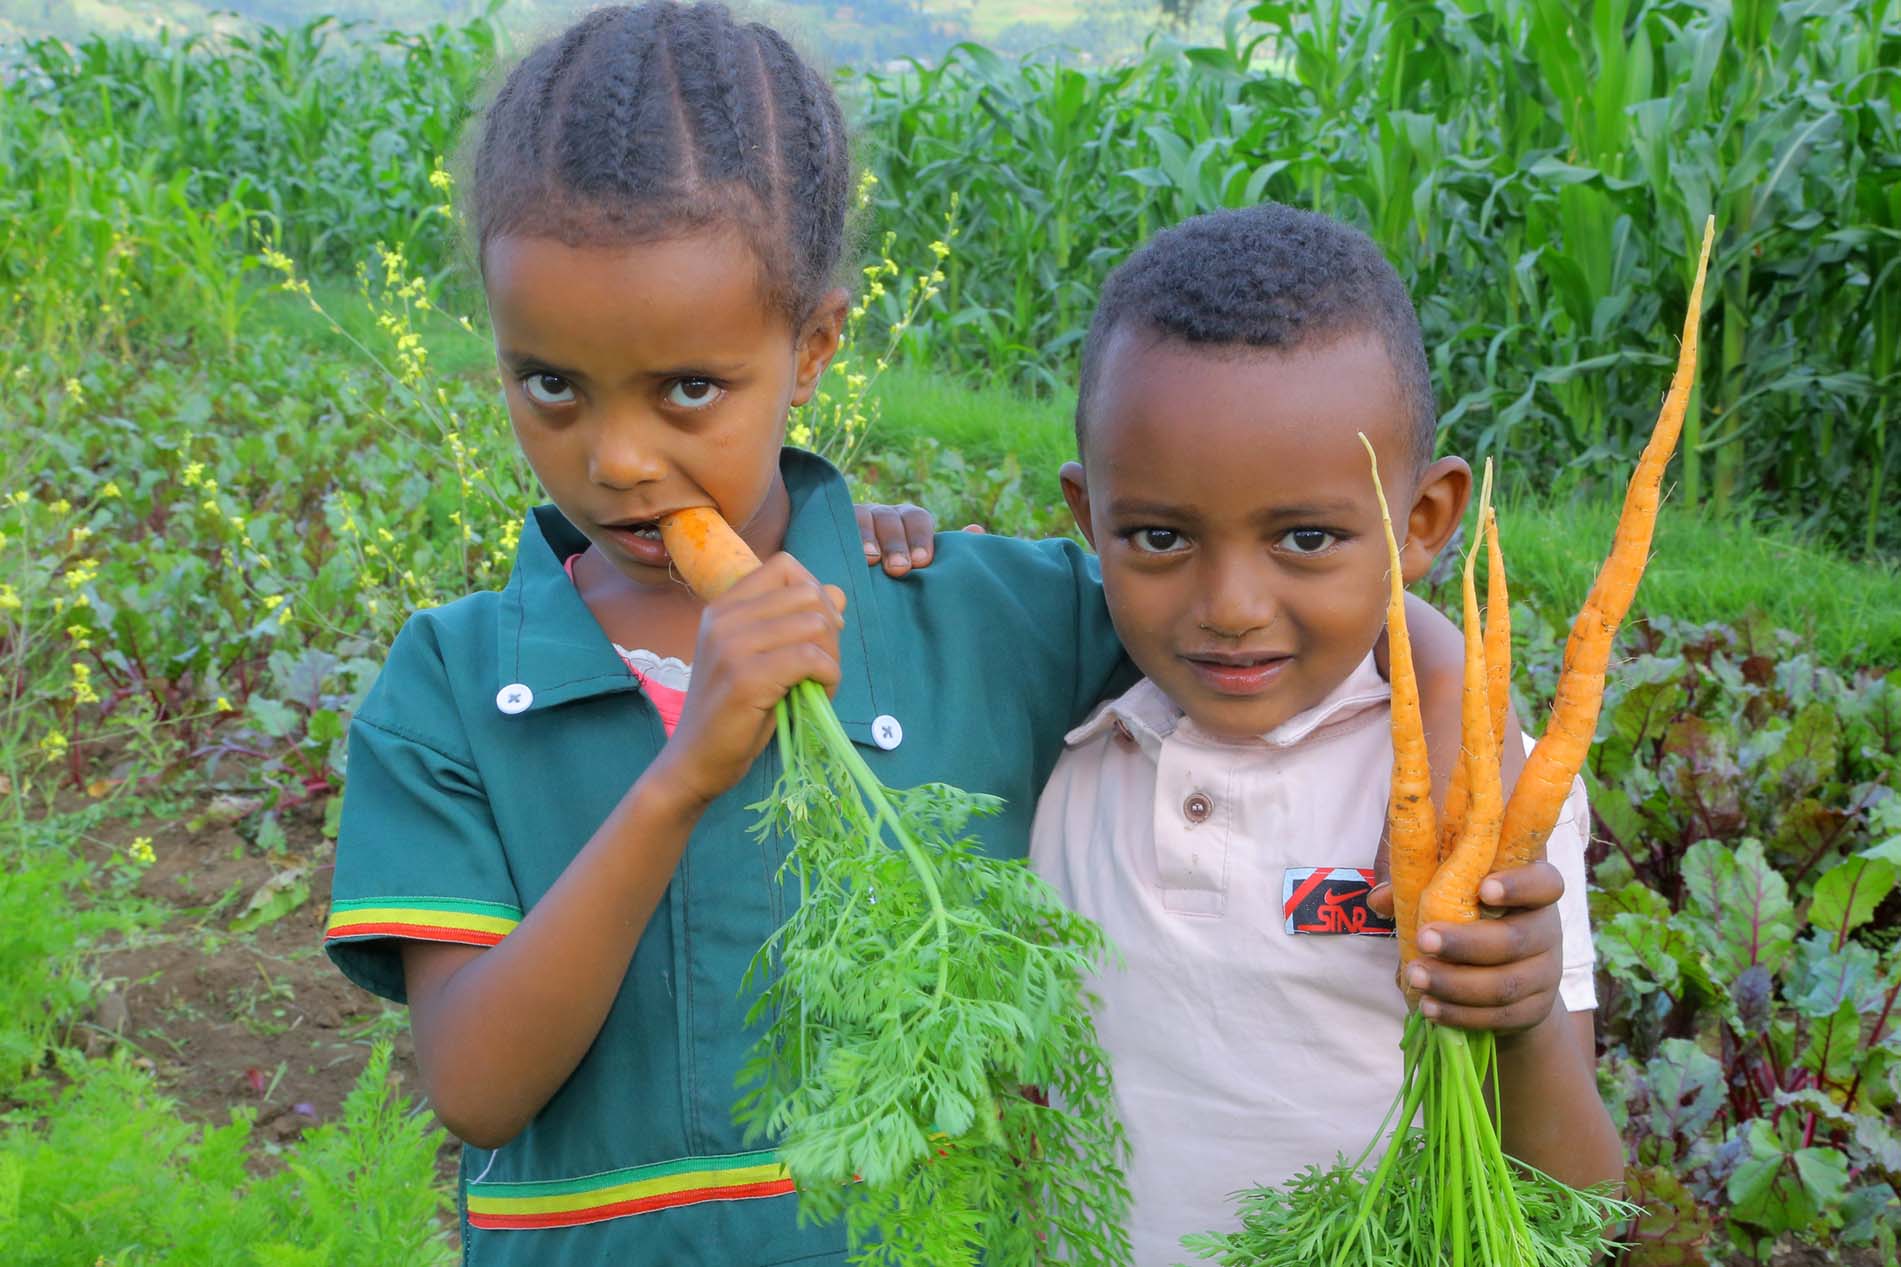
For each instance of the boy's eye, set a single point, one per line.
(1156, 540)
(1307, 540)
(693, 393)
(547, 389)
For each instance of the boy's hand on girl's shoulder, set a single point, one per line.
(775, 628)
(902, 537)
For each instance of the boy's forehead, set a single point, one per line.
(1276, 417)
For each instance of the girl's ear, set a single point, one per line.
(818, 342)
(1438, 508)
(1076, 493)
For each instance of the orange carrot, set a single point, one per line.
(1498, 627)
(709, 556)
(1413, 838)
(1559, 754)
(1453, 894)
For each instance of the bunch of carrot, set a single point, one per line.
(912, 998)
(1461, 1199)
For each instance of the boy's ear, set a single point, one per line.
(1076, 493)
(1438, 507)
(818, 342)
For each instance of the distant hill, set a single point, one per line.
(861, 32)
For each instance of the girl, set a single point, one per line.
(546, 846)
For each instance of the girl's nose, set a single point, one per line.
(622, 457)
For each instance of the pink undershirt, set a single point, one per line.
(668, 701)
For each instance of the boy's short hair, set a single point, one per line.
(1267, 276)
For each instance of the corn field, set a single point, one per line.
(1535, 168)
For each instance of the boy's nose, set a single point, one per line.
(1236, 601)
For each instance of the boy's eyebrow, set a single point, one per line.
(1131, 507)
(1309, 510)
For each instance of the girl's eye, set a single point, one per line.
(1307, 540)
(547, 389)
(693, 393)
(1156, 541)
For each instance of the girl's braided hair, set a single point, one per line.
(642, 122)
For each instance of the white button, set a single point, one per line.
(514, 698)
(885, 731)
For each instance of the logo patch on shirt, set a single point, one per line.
(1330, 900)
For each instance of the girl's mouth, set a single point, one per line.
(1231, 674)
(640, 542)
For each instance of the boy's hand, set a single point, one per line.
(774, 629)
(1498, 974)
(901, 537)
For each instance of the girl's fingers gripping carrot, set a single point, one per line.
(1453, 894)
(1413, 847)
(1559, 754)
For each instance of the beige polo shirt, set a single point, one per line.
(1243, 1052)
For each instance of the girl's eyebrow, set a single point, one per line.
(524, 362)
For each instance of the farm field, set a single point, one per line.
(249, 421)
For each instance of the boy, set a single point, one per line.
(1229, 367)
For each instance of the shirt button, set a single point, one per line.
(514, 698)
(886, 732)
(1197, 807)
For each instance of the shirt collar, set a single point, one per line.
(1149, 716)
(549, 642)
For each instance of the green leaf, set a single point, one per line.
(273, 717)
(1686, 1089)
(1738, 907)
(277, 897)
(1846, 896)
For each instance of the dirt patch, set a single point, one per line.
(258, 1018)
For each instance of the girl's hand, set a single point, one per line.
(776, 628)
(1497, 974)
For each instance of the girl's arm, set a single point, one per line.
(499, 1030)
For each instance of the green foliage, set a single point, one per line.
(912, 1001)
(1536, 169)
(1746, 920)
(107, 1172)
(55, 908)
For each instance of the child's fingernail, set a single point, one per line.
(897, 563)
(1417, 977)
(919, 555)
(1430, 941)
(1429, 1009)
(871, 551)
(1491, 893)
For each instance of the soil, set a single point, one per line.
(258, 1018)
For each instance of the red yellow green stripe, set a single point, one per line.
(619, 1193)
(461, 920)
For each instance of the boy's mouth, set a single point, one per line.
(1237, 672)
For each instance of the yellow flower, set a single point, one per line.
(140, 850)
(110, 489)
(940, 249)
(193, 472)
(82, 685)
(22, 497)
(223, 705)
(53, 746)
(272, 602)
(440, 180)
(59, 506)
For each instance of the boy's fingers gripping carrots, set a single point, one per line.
(1496, 974)
(1542, 789)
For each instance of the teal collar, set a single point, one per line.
(552, 651)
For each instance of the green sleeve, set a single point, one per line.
(418, 854)
(1103, 668)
